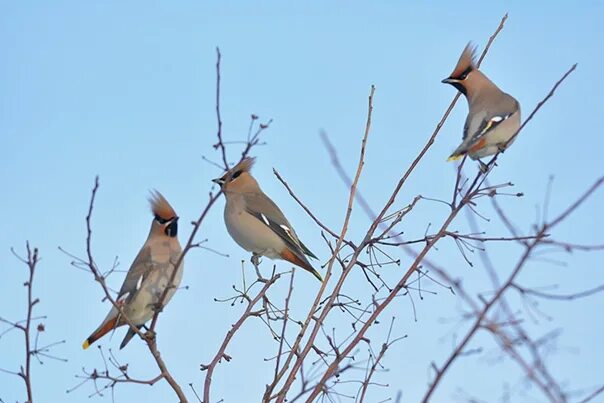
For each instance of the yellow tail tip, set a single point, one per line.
(454, 157)
(317, 275)
(86, 344)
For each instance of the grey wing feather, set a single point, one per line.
(466, 126)
(128, 337)
(307, 251)
(136, 274)
(473, 123)
(484, 121)
(264, 209)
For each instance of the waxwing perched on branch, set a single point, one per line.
(149, 274)
(493, 116)
(256, 223)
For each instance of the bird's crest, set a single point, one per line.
(160, 206)
(467, 61)
(244, 166)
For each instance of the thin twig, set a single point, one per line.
(220, 143)
(221, 353)
(302, 354)
(490, 303)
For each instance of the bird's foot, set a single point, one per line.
(501, 148)
(150, 335)
(157, 307)
(256, 262)
(256, 259)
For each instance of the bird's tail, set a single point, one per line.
(458, 153)
(314, 273)
(454, 157)
(100, 332)
(471, 148)
(302, 262)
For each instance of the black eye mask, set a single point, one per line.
(162, 220)
(465, 73)
(172, 228)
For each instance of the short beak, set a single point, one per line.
(218, 181)
(449, 80)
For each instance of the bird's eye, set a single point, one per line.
(465, 73)
(161, 220)
(236, 174)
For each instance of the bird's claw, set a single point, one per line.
(157, 307)
(255, 259)
(150, 335)
(256, 262)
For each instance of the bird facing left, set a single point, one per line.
(493, 116)
(256, 223)
(148, 276)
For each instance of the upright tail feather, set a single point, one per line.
(100, 332)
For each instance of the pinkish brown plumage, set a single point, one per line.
(160, 206)
(466, 60)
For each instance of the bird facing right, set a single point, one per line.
(493, 117)
(148, 276)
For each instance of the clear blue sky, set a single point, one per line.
(125, 90)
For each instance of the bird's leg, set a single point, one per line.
(256, 261)
(156, 306)
(501, 148)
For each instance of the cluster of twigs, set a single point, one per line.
(149, 336)
(310, 359)
(465, 196)
(29, 326)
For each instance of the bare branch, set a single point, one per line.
(220, 143)
(508, 283)
(221, 353)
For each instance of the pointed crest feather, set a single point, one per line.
(160, 206)
(467, 59)
(245, 165)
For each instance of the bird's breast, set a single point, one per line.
(252, 234)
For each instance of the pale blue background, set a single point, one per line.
(125, 90)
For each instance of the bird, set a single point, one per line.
(493, 116)
(148, 275)
(255, 222)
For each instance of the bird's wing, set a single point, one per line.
(485, 121)
(473, 123)
(137, 273)
(264, 209)
(489, 123)
(129, 335)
